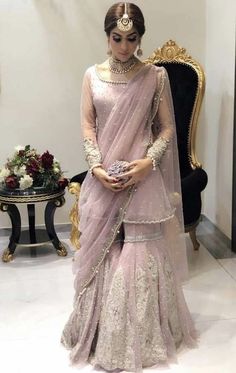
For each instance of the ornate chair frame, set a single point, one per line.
(170, 52)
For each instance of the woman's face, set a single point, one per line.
(123, 44)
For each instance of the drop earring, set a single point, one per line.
(139, 51)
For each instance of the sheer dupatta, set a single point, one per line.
(126, 136)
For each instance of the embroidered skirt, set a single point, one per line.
(133, 314)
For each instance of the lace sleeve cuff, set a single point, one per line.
(157, 150)
(92, 154)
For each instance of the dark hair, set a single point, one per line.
(116, 11)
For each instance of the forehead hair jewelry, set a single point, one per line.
(125, 23)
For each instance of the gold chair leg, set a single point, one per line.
(193, 238)
(74, 188)
(74, 218)
(7, 256)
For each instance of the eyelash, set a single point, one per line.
(118, 40)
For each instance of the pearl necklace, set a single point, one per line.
(119, 67)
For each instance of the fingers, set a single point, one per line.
(132, 164)
(116, 186)
(103, 178)
(129, 183)
(128, 169)
(125, 174)
(111, 180)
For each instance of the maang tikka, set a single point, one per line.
(125, 23)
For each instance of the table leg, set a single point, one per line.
(31, 218)
(14, 215)
(49, 223)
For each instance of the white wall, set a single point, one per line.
(45, 46)
(215, 136)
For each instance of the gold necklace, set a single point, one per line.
(119, 67)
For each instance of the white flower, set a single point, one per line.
(56, 169)
(26, 182)
(31, 153)
(20, 171)
(4, 172)
(56, 166)
(19, 147)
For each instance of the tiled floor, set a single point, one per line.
(36, 298)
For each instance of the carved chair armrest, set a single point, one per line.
(74, 188)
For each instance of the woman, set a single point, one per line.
(129, 309)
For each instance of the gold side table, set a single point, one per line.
(31, 236)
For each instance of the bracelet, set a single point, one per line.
(156, 151)
(94, 166)
(92, 153)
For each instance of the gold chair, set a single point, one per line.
(187, 83)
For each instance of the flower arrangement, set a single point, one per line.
(28, 169)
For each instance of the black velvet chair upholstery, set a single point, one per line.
(187, 85)
(78, 178)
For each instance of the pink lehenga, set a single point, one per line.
(129, 310)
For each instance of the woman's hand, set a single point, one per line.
(137, 171)
(107, 181)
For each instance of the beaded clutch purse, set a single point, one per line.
(118, 168)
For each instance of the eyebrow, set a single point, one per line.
(133, 33)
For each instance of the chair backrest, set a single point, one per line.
(187, 83)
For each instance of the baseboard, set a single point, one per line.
(215, 241)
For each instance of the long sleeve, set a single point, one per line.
(88, 122)
(163, 123)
